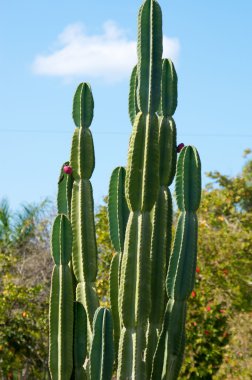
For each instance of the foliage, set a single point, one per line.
(23, 334)
(223, 287)
(25, 268)
(105, 253)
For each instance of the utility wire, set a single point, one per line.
(49, 131)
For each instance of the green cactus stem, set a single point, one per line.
(133, 107)
(118, 211)
(102, 348)
(118, 216)
(65, 185)
(162, 212)
(142, 184)
(61, 302)
(182, 266)
(82, 162)
(150, 281)
(80, 341)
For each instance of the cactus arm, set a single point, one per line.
(143, 164)
(102, 353)
(181, 270)
(125, 363)
(83, 106)
(150, 51)
(188, 180)
(65, 185)
(169, 352)
(133, 107)
(82, 208)
(114, 295)
(118, 212)
(84, 242)
(82, 154)
(80, 340)
(169, 91)
(160, 251)
(61, 302)
(168, 150)
(180, 278)
(134, 295)
(118, 216)
(162, 213)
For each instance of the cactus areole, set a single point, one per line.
(143, 336)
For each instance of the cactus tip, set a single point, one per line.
(180, 147)
(67, 169)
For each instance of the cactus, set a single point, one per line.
(143, 337)
(61, 302)
(102, 351)
(118, 216)
(82, 161)
(182, 265)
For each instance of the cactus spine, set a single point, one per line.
(144, 334)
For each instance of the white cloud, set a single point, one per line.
(109, 56)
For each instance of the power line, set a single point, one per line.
(49, 131)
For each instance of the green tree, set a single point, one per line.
(105, 253)
(25, 267)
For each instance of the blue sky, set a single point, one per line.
(48, 47)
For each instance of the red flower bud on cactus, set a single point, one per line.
(193, 294)
(197, 270)
(67, 169)
(206, 332)
(208, 308)
(180, 147)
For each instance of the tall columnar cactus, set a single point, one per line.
(144, 334)
(162, 212)
(182, 265)
(61, 302)
(142, 185)
(118, 214)
(102, 353)
(82, 162)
